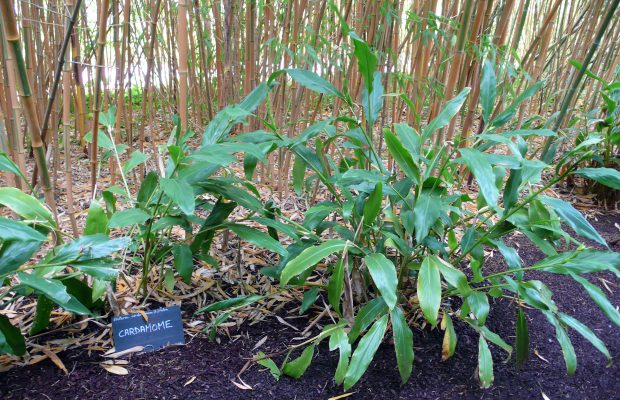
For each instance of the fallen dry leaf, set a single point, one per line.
(539, 356)
(259, 343)
(52, 356)
(342, 396)
(115, 369)
(282, 321)
(114, 354)
(146, 317)
(242, 386)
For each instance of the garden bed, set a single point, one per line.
(204, 369)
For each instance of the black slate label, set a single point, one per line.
(164, 327)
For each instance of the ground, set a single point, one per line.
(206, 370)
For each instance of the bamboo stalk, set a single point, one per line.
(547, 153)
(66, 118)
(23, 87)
(147, 77)
(101, 39)
(183, 49)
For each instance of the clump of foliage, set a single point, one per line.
(73, 275)
(401, 241)
(408, 240)
(197, 192)
(602, 168)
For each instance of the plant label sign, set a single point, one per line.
(163, 328)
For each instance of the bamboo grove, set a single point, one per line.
(68, 64)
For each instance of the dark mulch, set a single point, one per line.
(163, 375)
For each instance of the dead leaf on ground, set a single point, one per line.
(282, 321)
(114, 354)
(52, 356)
(260, 343)
(115, 369)
(342, 396)
(242, 386)
(539, 356)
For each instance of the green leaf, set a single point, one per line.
(606, 176)
(365, 351)
(299, 175)
(574, 219)
(102, 269)
(147, 188)
(336, 285)
(222, 123)
(585, 261)
(511, 110)
(169, 279)
(86, 248)
(128, 217)
(587, 71)
(56, 291)
(309, 299)
(366, 60)
(366, 316)
(339, 340)
(496, 339)
(180, 192)
(483, 172)
(600, 299)
(258, 238)
(485, 364)
(403, 343)
(383, 273)
(41, 315)
(372, 207)
(269, 364)
(402, 157)
(6, 164)
(448, 112)
(96, 220)
(183, 261)
(373, 101)
(478, 303)
(453, 276)
(488, 92)
(136, 158)
(298, 366)
(564, 340)
(409, 139)
(309, 258)
(204, 237)
(15, 253)
(103, 140)
(510, 254)
(313, 82)
(429, 288)
(18, 231)
(11, 339)
(26, 207)
(523, 338)
(584, 331)
(426, 211)
(228, 304)
(511, 191)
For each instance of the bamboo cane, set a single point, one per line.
(23, 87)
